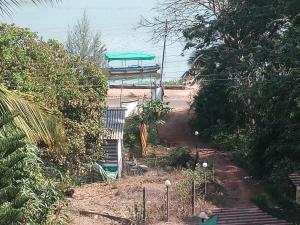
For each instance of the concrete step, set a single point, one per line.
(111, 161)
(109, 164)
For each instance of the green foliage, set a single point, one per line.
(151, 113)
(132, 137)
(37, 122)
(184, 187)
(250, 103)
(248, 54)
(181, 157)
(73, 88)
(26, 196)
(82, 42)
(6, 7)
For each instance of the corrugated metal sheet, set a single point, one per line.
(115, 122)
(246, 216)
(295, 178)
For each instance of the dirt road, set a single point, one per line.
(177, 131)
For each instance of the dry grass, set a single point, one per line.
(119, 199)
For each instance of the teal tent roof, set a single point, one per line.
(212, 221)
(110, 56)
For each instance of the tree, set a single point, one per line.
(246, 59)
(82, 42)
(6, 7)
(26, 197)
(54, 78)
(144, 125)
(181, 14)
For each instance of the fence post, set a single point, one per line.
(193, 197)
(144, 205)
(167, 203)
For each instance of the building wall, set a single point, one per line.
(120, 163)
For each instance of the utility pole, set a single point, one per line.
(121, 93)
(164, 53)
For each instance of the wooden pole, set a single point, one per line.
(193, 197)
(167, 203)
(204, 184)
(144, 205)
(121, 94)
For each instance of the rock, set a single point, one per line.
(69, 192)
(144, 168)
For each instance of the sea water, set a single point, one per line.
(115, 20)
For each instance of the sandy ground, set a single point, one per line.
(120, 198)
(177, 99)
(140, 93)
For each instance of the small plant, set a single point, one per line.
(174, 82)
(113, 183)
(152, 114)
(184, 187)
(137, 214)
(180, 157)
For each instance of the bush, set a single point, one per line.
(132, 137)
(181, 157)
(152, 114)
(73, 88)
(26, 196)
(184, 187)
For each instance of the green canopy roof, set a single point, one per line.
(212, 221)
(110, 56)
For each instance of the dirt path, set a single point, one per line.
(177, 131)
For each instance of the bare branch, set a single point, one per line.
(180, 15)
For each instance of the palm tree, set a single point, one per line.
(6, 6)
(36, 122)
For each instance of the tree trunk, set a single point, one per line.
(144, 138)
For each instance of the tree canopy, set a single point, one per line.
(84, 43)
(26, 196)
(246, 57)
(75, 89)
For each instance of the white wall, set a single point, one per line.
(120, 164)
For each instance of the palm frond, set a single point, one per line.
(6, 6)
(36, 122)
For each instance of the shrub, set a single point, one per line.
(26, 196)
(66, 84)
(181, 157)
(184, 186)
